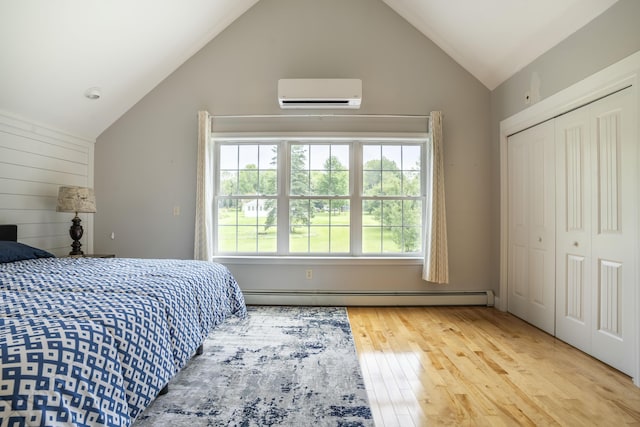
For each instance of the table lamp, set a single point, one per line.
(77, 200)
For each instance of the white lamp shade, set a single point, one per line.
(76, 199)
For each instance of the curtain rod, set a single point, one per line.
(286, 116)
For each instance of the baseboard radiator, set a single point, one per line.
(336, 298)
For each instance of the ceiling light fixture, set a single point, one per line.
(93, 93)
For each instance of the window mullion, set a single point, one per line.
(425, 174)
(355, 190)
(216, 184)
(284, 184)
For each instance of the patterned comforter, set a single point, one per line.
(58, 372)
(156, 312)
(137, 325)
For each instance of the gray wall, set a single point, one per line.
(607, 39)
(145, 162)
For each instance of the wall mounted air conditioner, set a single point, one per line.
(319, 93)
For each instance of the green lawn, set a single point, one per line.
(318, 237)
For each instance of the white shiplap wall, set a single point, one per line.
(34, 162)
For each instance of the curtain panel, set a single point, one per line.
(203, 244)
(436, 260)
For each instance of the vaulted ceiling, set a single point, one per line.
(52, 52)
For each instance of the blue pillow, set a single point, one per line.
(14, 251)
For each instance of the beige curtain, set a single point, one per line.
(436, 260)
(203, 248)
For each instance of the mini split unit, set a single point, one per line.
(320, 93)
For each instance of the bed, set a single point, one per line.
(154, 315)
(59, 372)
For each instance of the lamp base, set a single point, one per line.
(76, 232)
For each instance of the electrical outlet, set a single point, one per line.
(176, 211)
(309, 274)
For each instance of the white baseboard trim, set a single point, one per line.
(335, 298)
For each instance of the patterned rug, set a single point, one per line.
(280, 366)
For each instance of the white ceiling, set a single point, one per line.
(53, 51)
(494, 39)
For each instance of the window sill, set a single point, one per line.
(293, 260)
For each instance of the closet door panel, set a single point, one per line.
(537, 280)
(531, 272)
(574, 292)
(573, 233)
(542, 298)
(614, 230)
(597, 216)
(518, 274)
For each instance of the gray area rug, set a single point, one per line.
(280, 366)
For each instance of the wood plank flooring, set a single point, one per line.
(477, 366)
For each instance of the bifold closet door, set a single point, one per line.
(573, 234)
(531, 264)
(597, 217)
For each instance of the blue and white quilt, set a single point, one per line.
(196, 295)
(136, 323)
(156, 313)
(59, 372)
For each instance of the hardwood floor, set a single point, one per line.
(477, 366)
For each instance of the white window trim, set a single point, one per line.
(355, 140)
(317, 260)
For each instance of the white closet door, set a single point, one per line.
(573, 232)
(615, 218)
(531, 275)
(597, 229)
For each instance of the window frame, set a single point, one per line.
(422, 197)
(217, 195)
(355, 196)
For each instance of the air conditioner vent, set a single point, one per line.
(320, 93)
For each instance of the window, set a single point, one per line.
(327, 197)
(392, 199)
(247, 208)
(319, 214)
